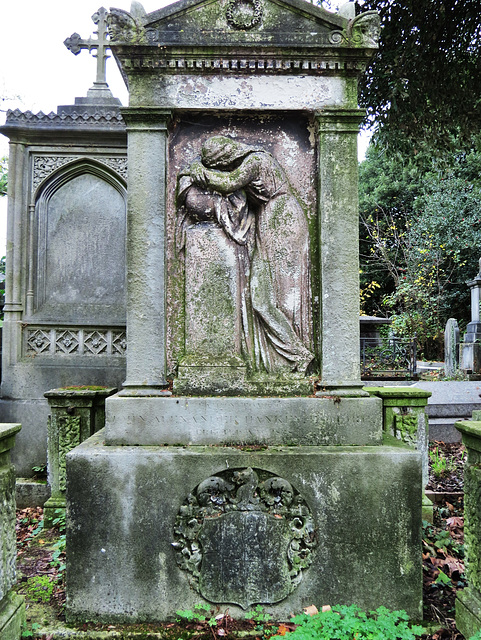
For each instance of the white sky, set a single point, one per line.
(38, 73)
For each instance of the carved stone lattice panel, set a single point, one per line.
(95, 343)
(119, 342)
(245, 536)
(43, 166)
(67, 342)
(91, 341)
(38, 341)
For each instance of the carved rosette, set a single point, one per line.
(244, 15)
(245, 536)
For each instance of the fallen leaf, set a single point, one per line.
(282, 630)
(326, 607)
(311, 610)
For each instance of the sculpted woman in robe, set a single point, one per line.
(256, 197)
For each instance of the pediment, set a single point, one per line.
(204, 23)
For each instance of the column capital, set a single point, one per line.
(340, 120)
(143, 118)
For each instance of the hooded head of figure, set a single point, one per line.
(220, 152)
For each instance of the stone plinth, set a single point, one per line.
(468, 601)
(12, 606)
(244, 421)
(76, 414)
(362, 506)
(404, 417)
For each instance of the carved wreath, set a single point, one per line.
(244, 14)
(244, 491)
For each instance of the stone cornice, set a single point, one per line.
(242, 62)
(101, 118)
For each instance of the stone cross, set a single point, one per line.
(75, 44)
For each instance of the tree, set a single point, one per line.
(421, 239)
(423, 87)
(3, 176)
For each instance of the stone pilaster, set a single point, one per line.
(468, 601)
(12, 606)
(339, 253)
(146, 272)
(17, 213)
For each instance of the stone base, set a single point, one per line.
(243, 421)
(232, 380)
(468, 612)
(12, 616)
(29, 493)
(51, 509)
(427, 509)
(471, 357)
(128, 506)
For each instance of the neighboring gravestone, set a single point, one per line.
(471, 345)
(75, 415)
(451, 347)
(65, 286)
(12, 606)
(468, 601)
(216, 479)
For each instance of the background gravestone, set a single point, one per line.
(65, 285)
(451, 347)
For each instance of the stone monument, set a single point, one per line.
(471, 345)
(242, 462)
(451, 347)
(12, 606)
(65, 287)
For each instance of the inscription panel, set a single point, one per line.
(271, 421)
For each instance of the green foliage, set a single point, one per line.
(258, 615)
(420, 238)
(439, 465)
(198, 614)
(30, 633)
(58, 555)
(423, 87)
(39, 589)
(352, 622)
(3, 176)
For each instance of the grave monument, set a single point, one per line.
(242, 462)
(65, 288)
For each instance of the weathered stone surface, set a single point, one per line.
(468, 602)
(365, 503)
(245, 559)
(271, 421)
(404, 417)
(76, 414)
(451, 347)
(244, 536)
(65, 307)
(12, 607)
(12, 616)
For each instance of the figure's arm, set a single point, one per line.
(224, 182)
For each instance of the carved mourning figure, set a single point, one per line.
(245, 190)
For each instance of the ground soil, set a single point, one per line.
(443, 566)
